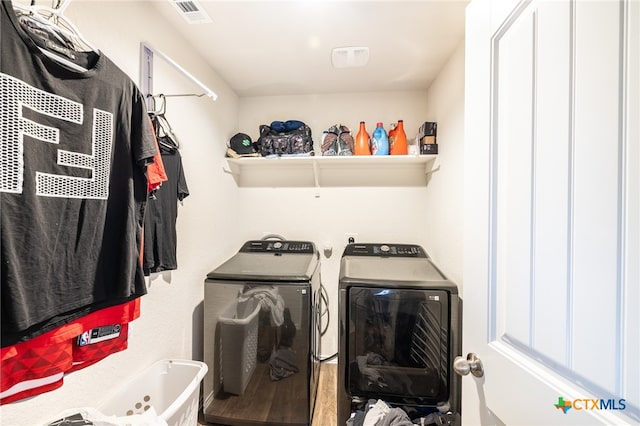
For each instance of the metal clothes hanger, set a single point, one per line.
(164, 133)
(158, 104)
(53, 21)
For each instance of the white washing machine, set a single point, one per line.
(262, 343)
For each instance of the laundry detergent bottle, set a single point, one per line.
(379, 141)
(391, 135)
(363, 141)
(399, 145)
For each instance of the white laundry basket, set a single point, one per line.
(239, 332)
(170, 386)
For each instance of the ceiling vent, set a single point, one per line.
(349, 57)
(191, 11)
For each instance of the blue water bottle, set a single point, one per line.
(379, 141)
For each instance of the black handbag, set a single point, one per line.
(295, 139)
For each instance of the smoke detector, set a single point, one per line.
(191, 11)
(349, 57)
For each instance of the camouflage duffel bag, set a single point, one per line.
(285, 138)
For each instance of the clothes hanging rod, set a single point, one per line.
(147, 51)
(179, 95)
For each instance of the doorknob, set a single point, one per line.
(471, 365)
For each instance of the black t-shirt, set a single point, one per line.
(160, 238)
(72, 185)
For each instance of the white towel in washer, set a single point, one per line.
(269, 299)
(376, 413)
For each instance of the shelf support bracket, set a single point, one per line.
(432, 167)
(316, 178)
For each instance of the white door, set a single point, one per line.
(552, 212)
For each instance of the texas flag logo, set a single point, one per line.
(563, 405)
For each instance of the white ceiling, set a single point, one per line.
(263, 48)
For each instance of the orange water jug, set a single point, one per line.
(363, 142)
(399, 146)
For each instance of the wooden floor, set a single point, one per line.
(326, 409)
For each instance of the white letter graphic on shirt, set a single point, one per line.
(16, 95)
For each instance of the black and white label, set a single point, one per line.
(99, 334)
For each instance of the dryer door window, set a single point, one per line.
(398, 344)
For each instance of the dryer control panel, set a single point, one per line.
(277, 246)
(385, 250)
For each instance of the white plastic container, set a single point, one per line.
(239, 331)
(170, 386)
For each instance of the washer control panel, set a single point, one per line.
(385, 250)
(277, 246)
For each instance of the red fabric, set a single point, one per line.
(156, 173)
(84, 356)
(58, 352)
(32, 391)
(36, 362)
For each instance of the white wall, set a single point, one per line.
(375, 214)
(445, 105)
(217, 217)
(172, 307)
(424, 216)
